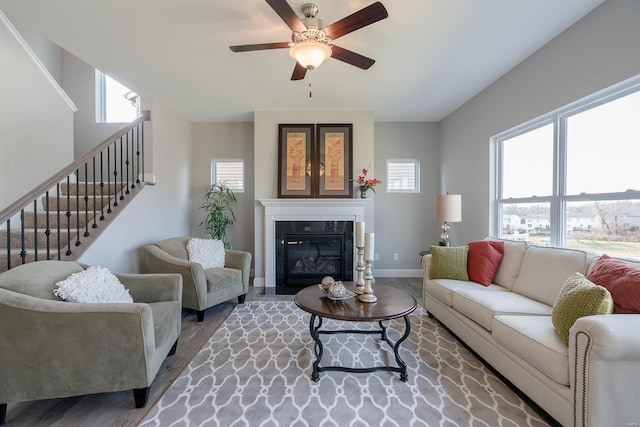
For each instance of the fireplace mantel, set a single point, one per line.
(303, 210)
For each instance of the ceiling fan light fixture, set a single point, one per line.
(310, 53)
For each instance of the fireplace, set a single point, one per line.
(303, 210)
(306, 251)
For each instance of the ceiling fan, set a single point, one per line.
(311, 43)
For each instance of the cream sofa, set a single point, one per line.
(592, 382)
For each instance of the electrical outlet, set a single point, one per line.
(395, 257)
(376, 257)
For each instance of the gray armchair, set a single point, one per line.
(202, 288)
(50, 348)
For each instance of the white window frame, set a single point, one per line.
(558, 199)
(101, 97)
(214, 172)
(416, 176)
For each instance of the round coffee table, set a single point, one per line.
(392, 303)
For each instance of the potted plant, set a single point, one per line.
(218, 200)
(365, 184)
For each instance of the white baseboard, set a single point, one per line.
(397, 272)
(258, 282)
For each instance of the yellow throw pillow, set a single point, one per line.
(449, 262)
(578, 297)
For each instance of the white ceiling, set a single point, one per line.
(431, 56)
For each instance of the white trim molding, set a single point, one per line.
(37, 61)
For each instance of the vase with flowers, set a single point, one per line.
(365, 184)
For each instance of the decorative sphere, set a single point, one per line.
(327, 281)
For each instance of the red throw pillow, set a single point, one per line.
(483, 260)
(622, 280)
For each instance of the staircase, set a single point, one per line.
(59, 219)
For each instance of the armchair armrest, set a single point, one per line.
(239, 260)
(194, 282)
(153, 287)
(604, 369)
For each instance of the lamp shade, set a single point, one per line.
(449, 208)
(310, 53)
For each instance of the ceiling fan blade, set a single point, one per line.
(284, 11)
(260, 46)
(370, 14)
(298, 72)
(352, 58)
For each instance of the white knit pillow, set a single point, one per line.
(207, 252)
(93, 285)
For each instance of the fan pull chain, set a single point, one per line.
(310, 92)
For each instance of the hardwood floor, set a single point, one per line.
(117, 409)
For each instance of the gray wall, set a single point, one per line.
(404, 221)
(223, 140)
(36, 122)
(598, 51)
(78, 80)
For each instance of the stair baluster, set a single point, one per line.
(58, 219)
(121, 171)
(47, 226)
(69, 218)
(9, 244)
(23, 252)
(127, 162)
(35, 230)
(95, 224)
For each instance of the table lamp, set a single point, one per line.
(448, 209)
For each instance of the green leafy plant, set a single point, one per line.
(218, 200)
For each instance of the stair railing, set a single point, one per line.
(108, 174)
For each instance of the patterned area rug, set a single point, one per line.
(256, 371)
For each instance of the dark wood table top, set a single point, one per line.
(392, 303)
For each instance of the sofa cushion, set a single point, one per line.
(622, 280)
(209, 253)
(483, 260)
(481, 305)
(545, 269)
(218, 278)
(578, 297)
(511, 262)
(534, 339)
(449, 262)
(443, 289)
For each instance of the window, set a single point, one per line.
(571, 178)
(229, 171)
(114, 102)
(403, 176)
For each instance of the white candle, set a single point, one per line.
(368, 246)
(359, 234)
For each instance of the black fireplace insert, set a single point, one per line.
(306, 251)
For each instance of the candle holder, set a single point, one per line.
(359, 269)
(367, 293)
